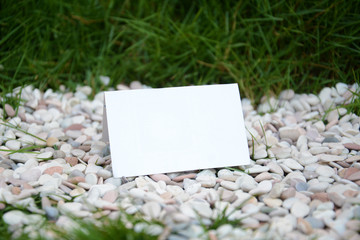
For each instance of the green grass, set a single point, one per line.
(265, 46)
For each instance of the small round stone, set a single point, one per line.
(300, 209)
(50, 142)
(325, 171)
(52, 170)
(78, 153)
(9, 110)
(160, 177)
(45, 155)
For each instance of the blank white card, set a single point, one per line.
(175, 129)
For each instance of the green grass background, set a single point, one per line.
(265, 46)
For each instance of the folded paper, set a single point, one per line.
(175, 129)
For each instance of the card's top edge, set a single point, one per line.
(178, 87)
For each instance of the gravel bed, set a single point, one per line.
(302, 183)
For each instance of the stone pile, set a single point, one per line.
(302, 183)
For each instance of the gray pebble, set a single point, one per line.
(330, 140)
(59, 154)
(7, 164)
(76, 173)
(74, 144)
(52, 213)
(105, 151)
(357, 212)
(315, 223)
(301, 186)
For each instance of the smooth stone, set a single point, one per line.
(91, 178)
(31, 175)
(325, 171)
(262, 188)
(137, 193)
(78, 153)
(92, 168)
(292, 164)
(321, 196)
(13, 145)
(301, 186)
(272, 202)
(202, 209)
(290, 133)
(14, 217)
(51, 170)
(260, 154)
(279, 212)
(314, 222)
(353, 159)
(76, 180)
(122, 87)
(76, 173)
(74, 144)
(263, 176)
(287, 94)
(324, 95)
(66, 148)
(51, 213)
(77, 192)
(300, 209)
(193, 188)
(151, 209)
(312, 99)
(50, 142)
(288, 203)
(206, 180)
(276, 190)
(275, 168)
(45, 155)
(226, 174)
(324, 215)
(330, 158)
(337, 199)
(318, 187)
(246, 182)
(74, 134)
(9, 110)
(330, 140)
(105, 174)
(257, 169)
(320, 126)
(283, 225)
(318, 150)
(72, 161)
(105, 151)
(354, 177)
(102, 188)
(71, 207)
(182, 177)
(341, 88)
(288, 193)
(59, 154)
(110, 196)
(352, 146)
(206, 172)
(304, 226)
(136, 85)
(229, 185)
(160, 177)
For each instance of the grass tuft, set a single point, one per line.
(264, 46)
